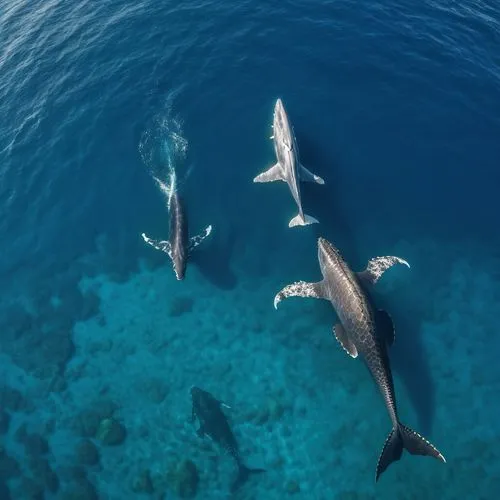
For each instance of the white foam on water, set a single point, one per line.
(163, 148)
(167, 189)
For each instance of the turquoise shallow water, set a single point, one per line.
(396, 105)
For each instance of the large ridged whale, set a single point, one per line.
(179, 245)
(288, 167)
(213, 423)
(363, 330)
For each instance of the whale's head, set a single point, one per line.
(196, 392)
(278, 107)
(327, 253)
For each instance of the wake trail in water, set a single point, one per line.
(163, 149)
(167, 189)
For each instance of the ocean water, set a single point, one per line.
(395, 104)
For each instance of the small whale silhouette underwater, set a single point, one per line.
(214, 424)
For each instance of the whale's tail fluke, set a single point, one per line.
(402, 437)
(243, 475)
(302, 220)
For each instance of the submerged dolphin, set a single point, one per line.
(213, 423)
(366, 331)
(178, 246)
(288, 167)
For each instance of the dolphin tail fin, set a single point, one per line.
(302, 220)
(243, 475)
(275, 173)
(402, 437)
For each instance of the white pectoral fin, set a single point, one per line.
(377, 267)
(308, 176)
(345, 341)
(164, 246)
(300, 289)
(273, 174)
(194, 241)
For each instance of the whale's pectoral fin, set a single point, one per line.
(194, 241)
(223, 405)
(275, 173)
(300, 289)
(385, 326)
(345, 341)
(378, 266)
(308, 176)
(164, 246)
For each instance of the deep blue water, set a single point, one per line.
(395, 104)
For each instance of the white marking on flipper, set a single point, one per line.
(164, 246)
(273, 174)
(377, 267)
(300, 289)
(194, 241)
(308, 176)
(344, 340)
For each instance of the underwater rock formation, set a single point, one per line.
(9, 466)
(4, 491)
(4, 422)
(292, 487)
(44, 474)
(180, 305)
(29, 489)
(84, 490)
(87, 423)
(142, 483)
(87, 453)
(35, 445)
(111, 432)
(155, 389)
(183, 478)
(12, 400)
